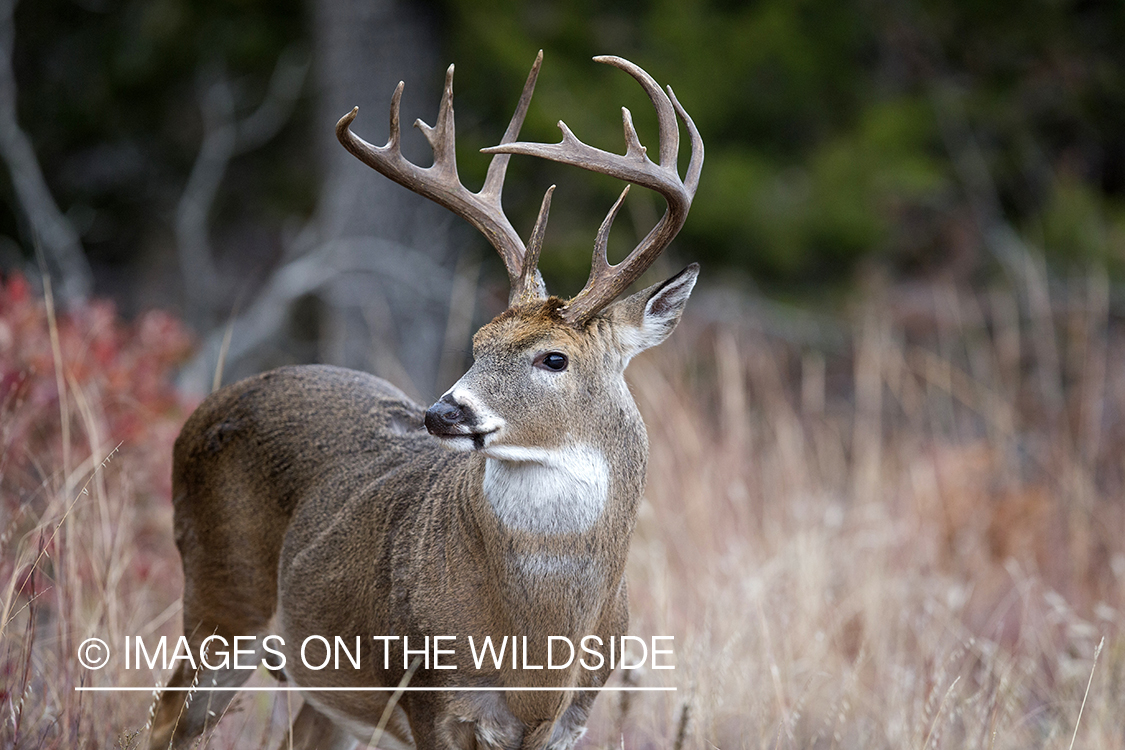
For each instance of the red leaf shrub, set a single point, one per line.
(117, 377)
(85, 542)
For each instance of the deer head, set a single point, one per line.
(546, 359)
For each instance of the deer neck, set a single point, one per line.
(554, 528)
(547, 492)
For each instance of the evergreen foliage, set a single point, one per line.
(834, 129)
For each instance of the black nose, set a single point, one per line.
(443, 416)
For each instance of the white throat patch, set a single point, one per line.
(547, 490)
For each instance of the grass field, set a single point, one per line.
(901, 527)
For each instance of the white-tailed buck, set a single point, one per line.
(322, 501)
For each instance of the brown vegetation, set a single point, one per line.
(900, 528)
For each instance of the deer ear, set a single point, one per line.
(646, 318)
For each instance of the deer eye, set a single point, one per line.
(553, 361)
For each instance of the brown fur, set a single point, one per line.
(323, 484)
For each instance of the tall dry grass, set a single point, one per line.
(899, 527)
(87, 419)
(913, 536)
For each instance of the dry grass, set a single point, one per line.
(917, 540)
(911, 536)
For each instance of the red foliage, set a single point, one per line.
(81, 536)
(117, 377)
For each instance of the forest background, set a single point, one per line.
(886, 439)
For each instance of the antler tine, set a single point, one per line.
(441, 184)
(443, 136)
(498, 167)
(695, 165)
(531, 285)
(599, 265)
(607, 281)
(665, 114)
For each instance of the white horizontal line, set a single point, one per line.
(224, 689)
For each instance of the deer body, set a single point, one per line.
(322, 501)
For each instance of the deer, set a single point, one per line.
(320, 500)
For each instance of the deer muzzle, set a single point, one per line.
(446, 418)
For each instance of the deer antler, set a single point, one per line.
(441, 184)
(483, 210)
(607, 281)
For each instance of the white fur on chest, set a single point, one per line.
(547, 491)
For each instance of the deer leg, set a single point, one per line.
(230, 565)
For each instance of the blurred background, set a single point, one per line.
(181, 155)
(886, 498)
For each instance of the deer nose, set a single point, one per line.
(443, 416)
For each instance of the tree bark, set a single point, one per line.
(377, 258)
(362, 50)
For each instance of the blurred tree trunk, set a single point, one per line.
(51, 232)
(367, 283)
(392, 322)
